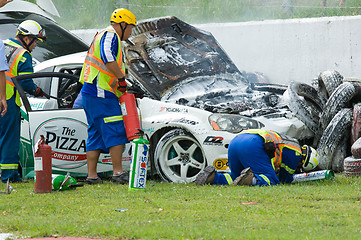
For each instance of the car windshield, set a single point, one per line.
(59, 41)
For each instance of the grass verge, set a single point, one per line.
(313, 210)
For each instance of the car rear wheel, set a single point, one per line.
(179, 157)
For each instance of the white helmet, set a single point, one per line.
(31, 28)
(309, 158)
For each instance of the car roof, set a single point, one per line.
(23, 6)
(70, 59)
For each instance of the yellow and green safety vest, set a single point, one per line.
(280, 143)
(14, 54)
(94, 66)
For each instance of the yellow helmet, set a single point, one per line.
(123, 15)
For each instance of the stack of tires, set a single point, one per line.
(328, 110)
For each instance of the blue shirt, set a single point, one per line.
(109, 46)
(3, 63)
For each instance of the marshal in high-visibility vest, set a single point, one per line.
(18, 53)
(103, 83)
(261, 157)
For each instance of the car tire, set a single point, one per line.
(179, 157)
(328, 81)
(303, 101)
(332, 136)
(340, 98)
(352, 167)
(341, 152)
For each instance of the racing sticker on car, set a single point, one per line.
(212, 140)
(67, 139)
(221, 164)
(173, 109)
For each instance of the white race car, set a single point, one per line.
(183, 140)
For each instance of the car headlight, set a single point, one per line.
(232, 123)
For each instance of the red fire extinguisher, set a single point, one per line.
(130, 115)
(42, 167)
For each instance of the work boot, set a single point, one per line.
(122, 178)
(245, 179)
(92, 181)
(207, 176)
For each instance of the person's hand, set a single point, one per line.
(40, 93)
(136, 90)
(4, 2)
(3, 107)
(122, 84)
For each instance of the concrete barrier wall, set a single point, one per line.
(288, 50)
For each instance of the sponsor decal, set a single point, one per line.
(221, 164)
(37, 106)
(173, 109)
(67, 139)
(149, 130)
(212, 140)
(185, 121)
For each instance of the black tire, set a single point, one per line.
(179, 157)
(303, 101)
(340, 98)
(341, 152)
(352, 167)
(328, 81)
(332, 136)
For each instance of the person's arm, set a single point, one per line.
(4, 2)
(3, 103)
(26, 67)
(290, 161)
(109, 46)
(114, 69)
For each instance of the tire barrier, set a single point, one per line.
(328, 81)
(332, 136)
(332, 112)
(304, 102)
(339, 99)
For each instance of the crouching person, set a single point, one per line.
(263, 158)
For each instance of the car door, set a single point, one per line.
(64, 128)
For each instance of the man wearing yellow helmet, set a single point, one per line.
(104, 82)
(18, 53)
(257, 157)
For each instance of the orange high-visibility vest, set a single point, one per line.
(94, 66)
(14, 54)
(280, 143)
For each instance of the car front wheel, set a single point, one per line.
(179, 157)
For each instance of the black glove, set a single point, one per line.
(122, 84)
(136, 90)
(40, 93)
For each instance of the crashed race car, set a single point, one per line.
(183, 140)
(195, 97)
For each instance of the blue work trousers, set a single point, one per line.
(10, 142)
(246, 150)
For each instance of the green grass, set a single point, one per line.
(314, 210)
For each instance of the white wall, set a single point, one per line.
(288, 50)
(293, 50)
